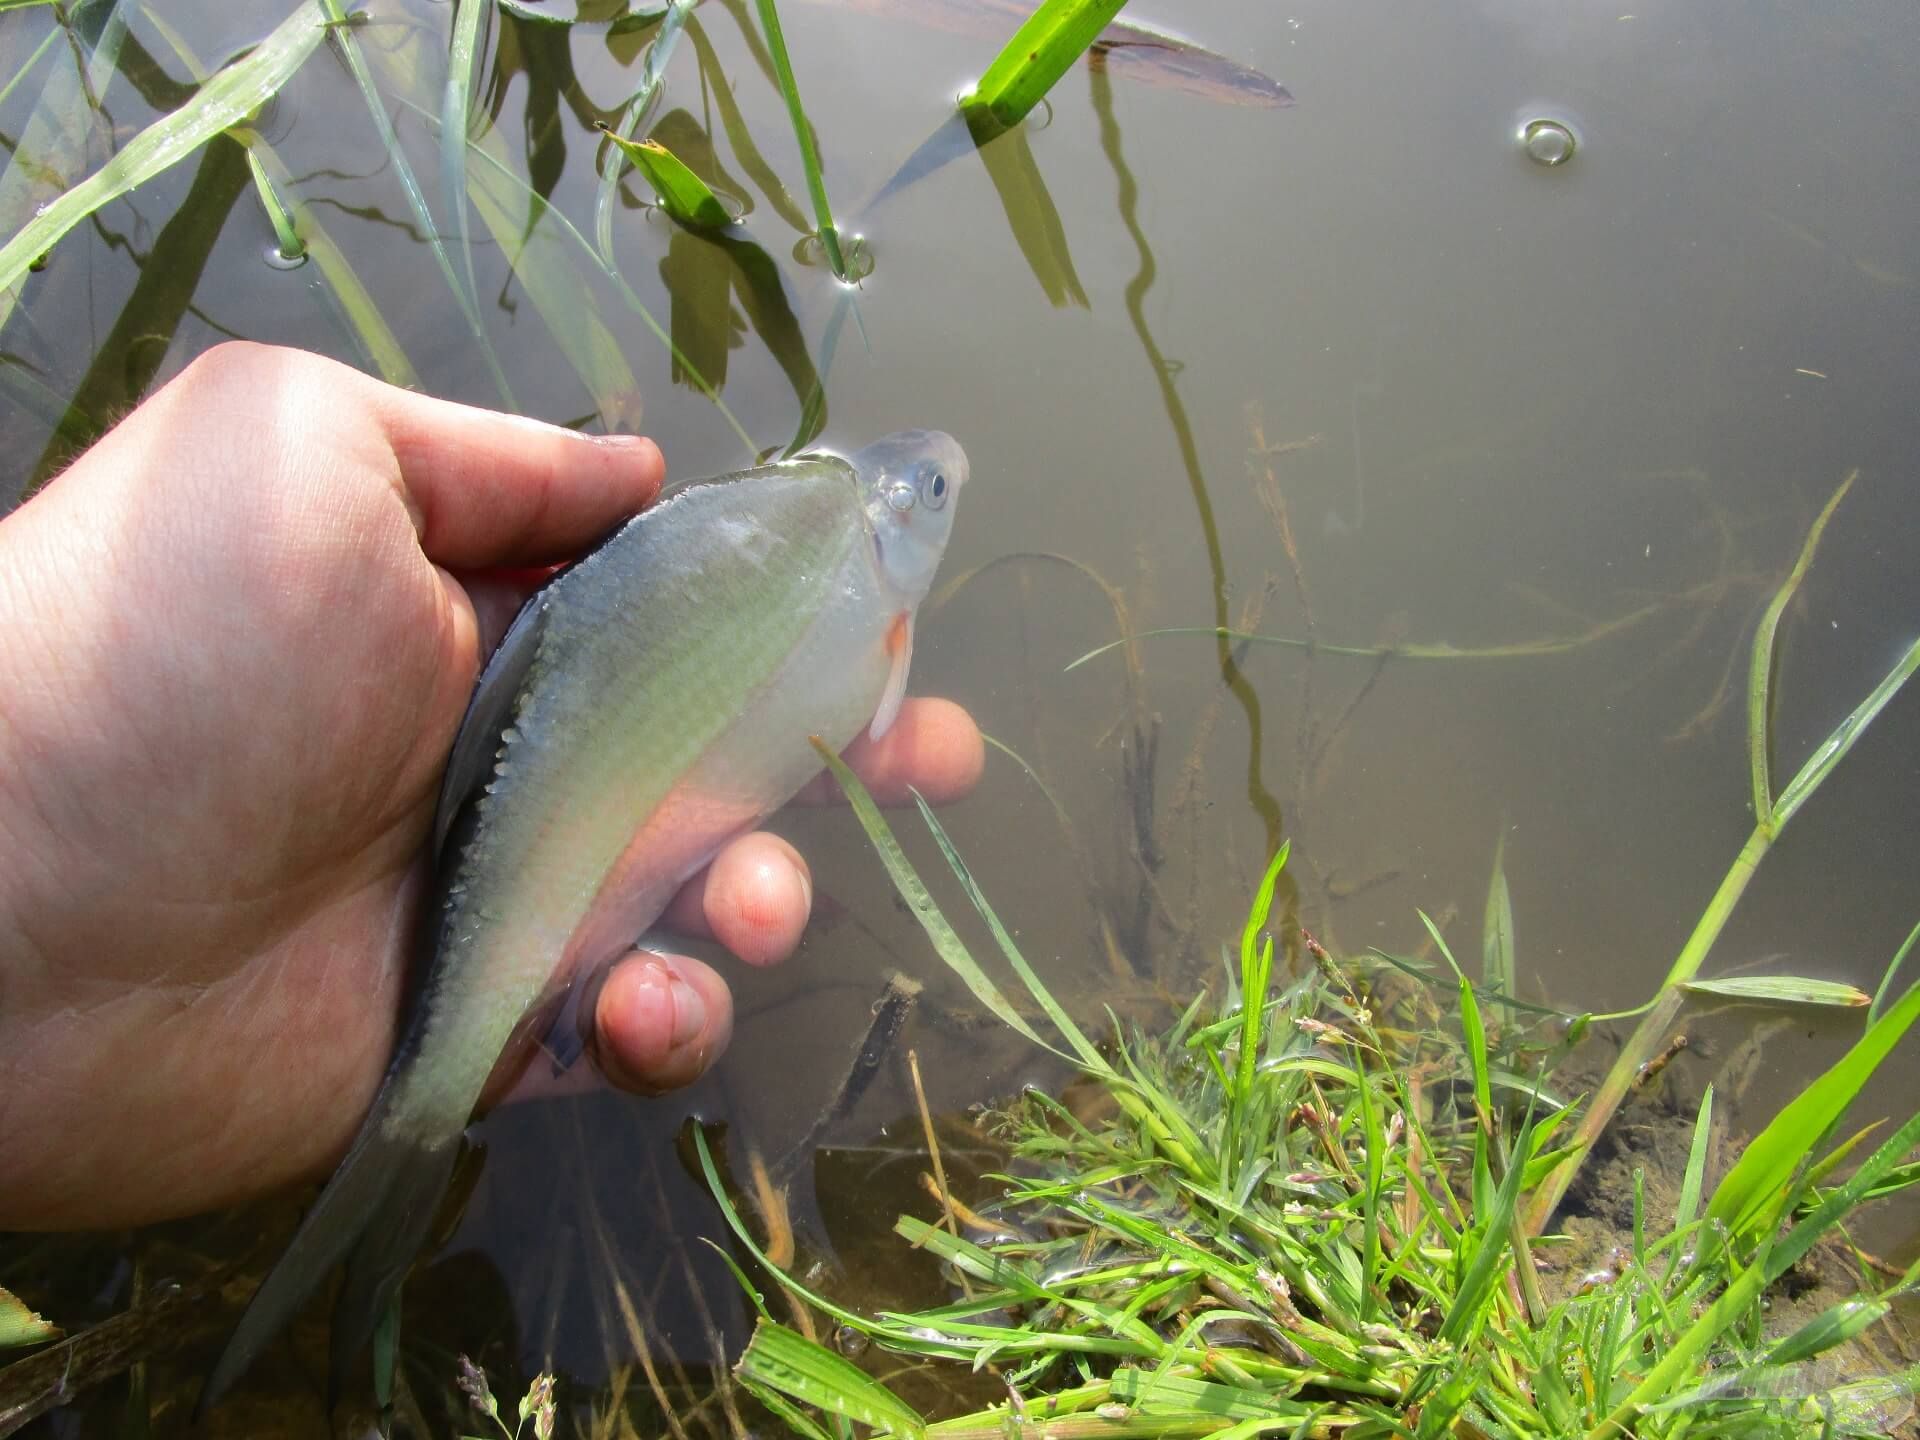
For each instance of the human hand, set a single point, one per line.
(236, 640)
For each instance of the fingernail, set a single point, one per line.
(617, 442)
(806, 887)
(689, 1013)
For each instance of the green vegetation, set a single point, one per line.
(1314, 1207)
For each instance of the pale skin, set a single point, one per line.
(236, 641)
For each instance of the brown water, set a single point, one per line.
(1494, 402)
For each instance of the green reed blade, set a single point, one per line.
(946, 942)
(227, 98)
(1845, 735)
(1040, 52)
(683, 194)
(673, 22)
(26, 65)
(52, 146)
(1885, 988)
(1750, 1200)
(1780, 990)
(348, 46)
(456, 109)
(1497, 961)
(1762, 666)
(786, 1361)
(1256, 970)
(360, 315)
(803, 133)
(1687, 1206)
(1833, 1326)
(511, 182)
(1087, 1052)
(1768, 1265)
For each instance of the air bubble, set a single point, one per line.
(285, 262)
(1548, 142)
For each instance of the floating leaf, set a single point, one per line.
(1780, 990)
(683, 194)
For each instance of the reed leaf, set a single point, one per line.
(230, 96)
(683, 194)
(673, 22)
(1028, 65)
(1885, 988)
(348, 46)
(1761, 666)
(1845, 735)
(946, 941)
(1780, 990)
(1752, 1197)
(1497, 960)
(803, 133)
(786, 1361)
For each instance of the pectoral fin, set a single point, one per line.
(899, 643)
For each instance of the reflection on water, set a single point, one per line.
(1350, 372)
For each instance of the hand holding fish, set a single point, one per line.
(236, 640)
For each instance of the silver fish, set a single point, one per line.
(648, 705)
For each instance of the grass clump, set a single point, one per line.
(1298, 1213)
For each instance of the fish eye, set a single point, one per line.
(900, 496)
(933, 485)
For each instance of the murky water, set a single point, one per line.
(1518, 323)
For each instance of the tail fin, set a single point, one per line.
(376, 1209)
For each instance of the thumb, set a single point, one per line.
(488, 490)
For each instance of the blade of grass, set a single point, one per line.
(1885, 987)
(1845, 735)
(52, 145)
(227, 98)
(659, 51)
(1749, 1200)
(803, 133)
(683, 194)
(299, 233)
(1761, 666)
(348, 47)
(456, 106)
(1028, 65)
(1497, 963)
(1780, 990)
(946, 942)
(788, 1362)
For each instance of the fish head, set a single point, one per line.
(909, 482)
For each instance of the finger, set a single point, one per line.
(660, 1022)
(934, 747)
(488, 490)
(753, 899)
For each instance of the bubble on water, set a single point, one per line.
(1548, 140)
(811, 251)
(849, 1341)
(281, 261)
